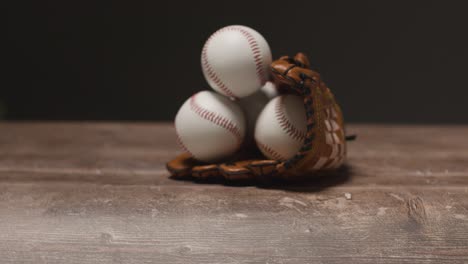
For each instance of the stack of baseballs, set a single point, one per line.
(244, 106)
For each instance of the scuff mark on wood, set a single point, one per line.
(396, 196)
(416, 211)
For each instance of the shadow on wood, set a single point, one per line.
(306, 183)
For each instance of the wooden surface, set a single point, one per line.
(99, 193)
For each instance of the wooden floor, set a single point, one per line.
(99, 193)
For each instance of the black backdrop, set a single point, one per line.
(386, 61)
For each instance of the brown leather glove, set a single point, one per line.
(324, 147)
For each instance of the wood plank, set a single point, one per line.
(94, 223)
(382, 155)
(99, 193)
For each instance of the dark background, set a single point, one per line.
(386, 61)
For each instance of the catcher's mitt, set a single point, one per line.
(324, 147)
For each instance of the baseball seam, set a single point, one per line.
(254, 47)
(182, 145)
(216, 119)
(269, 150)
(284, 123)
(210, 71)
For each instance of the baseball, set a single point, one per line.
(270, 90)
(210, 126)
(252, 106)
(281, 127)
(235, 61)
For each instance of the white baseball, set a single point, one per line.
(270, 90)
(235, 61)
(210, 126)
(281, 127)
(252, 106)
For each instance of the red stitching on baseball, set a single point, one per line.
(258, 58)
(270, 151)
(216, 119)
(211, 73)
(181, 144)
(289, 128)
(256, 54)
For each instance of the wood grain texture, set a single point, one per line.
(99, 193)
